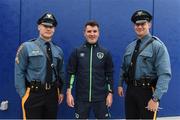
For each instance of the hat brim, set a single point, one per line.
(140, 21)
(47, 24)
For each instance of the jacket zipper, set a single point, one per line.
(90, 73)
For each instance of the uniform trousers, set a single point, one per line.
(136, 101)
(41, 104)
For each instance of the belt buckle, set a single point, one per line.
(135, 83)
(47, 86)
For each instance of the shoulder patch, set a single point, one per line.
(17, 54)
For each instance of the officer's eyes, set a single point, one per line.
(140, 24)
(46, 26)
(94, 31)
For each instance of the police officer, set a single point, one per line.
(146, 70)
(39, 72)
(91, 68)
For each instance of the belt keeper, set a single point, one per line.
(47, 86)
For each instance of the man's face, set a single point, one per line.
(142, 29)
(91, 34)
(46, 32)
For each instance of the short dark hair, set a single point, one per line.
(92, 23)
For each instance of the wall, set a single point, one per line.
(18, 24)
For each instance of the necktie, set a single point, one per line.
(48, 63)
(132, 67)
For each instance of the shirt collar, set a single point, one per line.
(42, 41)
(86, 44)
(146, 38)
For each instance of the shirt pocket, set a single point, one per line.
(36, 59)
(127, 57)
(57, 59)
(146, 58)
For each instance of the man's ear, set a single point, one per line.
(39, 27)
(84, 33)
(150, 24)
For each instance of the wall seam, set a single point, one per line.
(153, 14)
(90, 9)
(20, 18)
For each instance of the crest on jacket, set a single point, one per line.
(100, 55)
(82, 54)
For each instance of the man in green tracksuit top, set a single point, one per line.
(91, 68)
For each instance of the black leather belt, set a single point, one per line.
(143, 82)
(37, 85)
(138, 83)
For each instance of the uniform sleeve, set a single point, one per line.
(163, 67)
(109, 72)
(72, 68)
(20, 70)
(122, 72)
(61, 73)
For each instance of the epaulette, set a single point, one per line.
(56, 45)
(31, 40)
(156, 38)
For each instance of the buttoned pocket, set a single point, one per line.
(146, 58)
(36, 59)
(127, 57)
(57, 59)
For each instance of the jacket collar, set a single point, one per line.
(86, 44)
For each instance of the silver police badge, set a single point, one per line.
(140, 13)
(100, 55)
(49, 15)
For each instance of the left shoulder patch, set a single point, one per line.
(17, 54)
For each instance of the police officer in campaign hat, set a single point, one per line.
(145, 69)
(39, 72)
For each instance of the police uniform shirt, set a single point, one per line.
(152, 61)
(31, 63)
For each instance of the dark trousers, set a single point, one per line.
(41, 104)
(136, 101)
(100, 110)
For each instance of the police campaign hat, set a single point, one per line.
(47, 19)
(141, 16)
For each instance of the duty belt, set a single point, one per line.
(142, 82)
(37, 85)
(138, 83)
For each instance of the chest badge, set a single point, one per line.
(35, 52)
(82, 54)
(100, 55)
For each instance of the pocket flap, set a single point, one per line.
(146, 54)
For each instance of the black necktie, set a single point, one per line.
(132, 67)
(48, 63)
